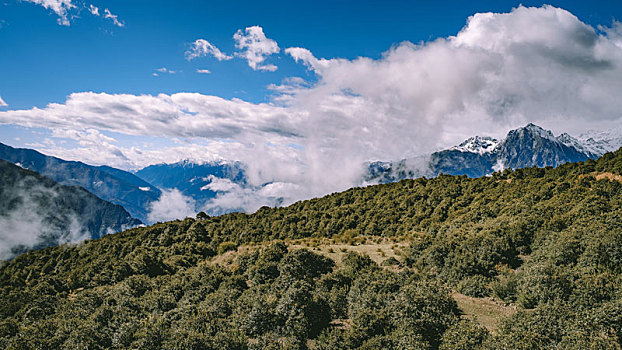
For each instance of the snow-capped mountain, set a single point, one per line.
(572, 142)
(477, 144)
(533, 146)
(480, 156)
(601, 142)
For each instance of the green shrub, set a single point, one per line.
(226, 247)
(476, 286)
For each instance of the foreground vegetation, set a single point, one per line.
(547, 241)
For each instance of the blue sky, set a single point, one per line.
(297, 89)
(43, 61)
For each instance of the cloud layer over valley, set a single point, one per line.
(540, 65)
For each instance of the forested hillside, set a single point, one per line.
(548, 241)
(36, 212)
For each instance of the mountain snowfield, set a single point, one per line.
(601, 142)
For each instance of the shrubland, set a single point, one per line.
(547, 241)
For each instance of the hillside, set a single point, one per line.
(36, 212)
(110, 184)
(547, 242)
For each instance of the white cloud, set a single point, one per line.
(255, 47)
(203, 71)
(540, 65)
(177, 115)
(164, 70)
(233, 196)
(63, 9)
(171, 205)
(2, 103)
(306, 57)
(94, 10)
(202, 47)
(114, 18)
(60, 7)
(29, 222)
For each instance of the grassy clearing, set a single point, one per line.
(486, 311)
(378, 249)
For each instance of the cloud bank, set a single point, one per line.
(171, 205)
(540, 65)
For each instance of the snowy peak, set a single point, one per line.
(535, 130)
(534, 146)
(601, 142)
(572, 142)
(477, 144)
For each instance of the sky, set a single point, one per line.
(297, 90)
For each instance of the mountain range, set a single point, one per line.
(193, 179)
(475, 157)
(69, 201)
(37, 212)
(529, 146)
(111, 184)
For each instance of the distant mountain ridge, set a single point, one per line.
(113, 185)
(193, 179)
(480, 156)
(37, 212)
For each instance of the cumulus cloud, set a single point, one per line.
(540, 65)
(2, 103)
(202, 47)
(171, 205)
(256, 47)
(203, 71)
(60, 7)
